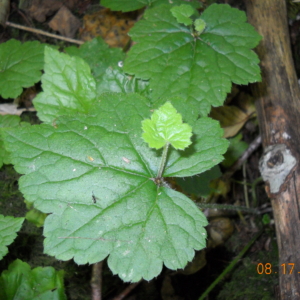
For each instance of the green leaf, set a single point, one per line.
(20, 282)
(199, 25)
(199, 184)
(166, 127)
(35, 217)
(199, 69)
(130, 5)
(7, 121)
(68, 86)
(107, 68)
(94, 175)
(9, 226)
(20, 66)
(183, 13)
(125, 5)
(204, 153)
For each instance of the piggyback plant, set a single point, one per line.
(116, 126)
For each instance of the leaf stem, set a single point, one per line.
(163, 160)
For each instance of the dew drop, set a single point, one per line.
(120, 64)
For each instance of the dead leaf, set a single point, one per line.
(65, 22)
(231, 118)
(113, 27)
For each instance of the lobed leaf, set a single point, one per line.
(20, 66)
(201, 68)
(94, 175)
(166, 127)
(9, 226)
(183, 13)
(20, 282)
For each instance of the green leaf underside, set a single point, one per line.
(138, 224)
(183, 13)
(9, 226)
(68, 86)
(130, 5)
(20, 282)
(199, 69)
(166, 127)
(20, 66)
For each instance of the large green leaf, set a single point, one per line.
(200, 69)
(94, 175)
(130, 5)
(8, 228)
(68, 86)
(19, 282)
(20, 66)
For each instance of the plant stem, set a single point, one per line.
(231, 265)
(163, 160)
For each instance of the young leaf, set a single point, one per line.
(165, 127)
(199, 69)
(199, 25)
(183, 13)
(20, 66)
(68, 86)
(9, 226)
(20, 282)
(94, 175)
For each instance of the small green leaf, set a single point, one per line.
(20, 282)
(199, 25)
(9, 226)
(68, 86)
(183, 13)
(36, 217)
(165, 127)
(20, 66)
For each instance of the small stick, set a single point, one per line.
(38, 31)
(96, 281)
(127, 291)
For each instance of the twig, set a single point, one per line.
(96, 281)
(38, 31)
(127, 291)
